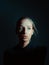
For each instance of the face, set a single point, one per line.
(25, 30)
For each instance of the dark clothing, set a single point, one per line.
(25, 56)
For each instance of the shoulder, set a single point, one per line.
(41, 49)
(41, 52)
(9, 51)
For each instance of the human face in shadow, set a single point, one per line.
(25, 30)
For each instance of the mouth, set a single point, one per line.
(24, 37)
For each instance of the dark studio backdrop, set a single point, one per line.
(11, 11)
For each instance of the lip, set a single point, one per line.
(24, 36)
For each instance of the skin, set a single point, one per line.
(25, 32)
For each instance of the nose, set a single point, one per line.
(24, 31)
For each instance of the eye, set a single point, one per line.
(20, 28)
(29, 28)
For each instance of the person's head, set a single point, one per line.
(25, 29)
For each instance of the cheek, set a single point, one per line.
(30, 33)
(29, 37)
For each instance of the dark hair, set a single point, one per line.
(19, 22)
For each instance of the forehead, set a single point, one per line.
(26, 22)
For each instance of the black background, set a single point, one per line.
(11, 11)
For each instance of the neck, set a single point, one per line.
(23, 44)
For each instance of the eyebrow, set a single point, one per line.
(27, 26)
